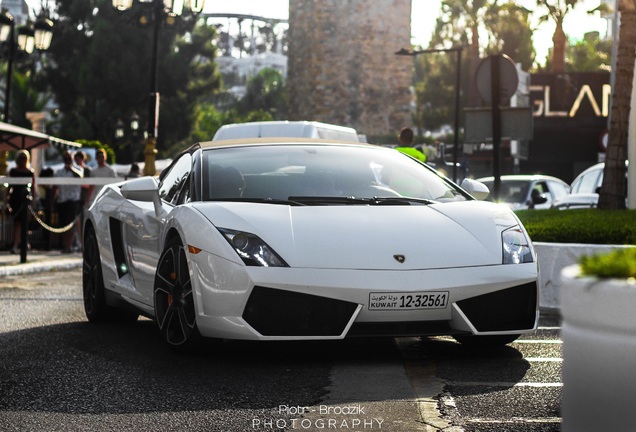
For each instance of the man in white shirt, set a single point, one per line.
(102, 169)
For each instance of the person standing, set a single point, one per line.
(134, 172)
(85, 194)
(102, 169)
(67, 198)
(87, 190)
(406, 138)
(19, 196)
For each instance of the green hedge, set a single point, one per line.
(591, 226)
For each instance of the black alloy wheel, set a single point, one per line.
(175, 311)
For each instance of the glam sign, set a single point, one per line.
(570, 95)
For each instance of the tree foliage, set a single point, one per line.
(557, 11)
(591, 54)
(27, 94)
(265, 92)
(506, 28)
(100, 69)
(510, 33)
(264, 101)
(461, 20)
(434, 82)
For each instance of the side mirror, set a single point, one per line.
(477, 189)
(539, 199)
(145, 189)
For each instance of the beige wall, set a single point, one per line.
(342, 67)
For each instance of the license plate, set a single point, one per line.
(408, 300)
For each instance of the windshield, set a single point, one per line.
(511, 191)
(300, 172)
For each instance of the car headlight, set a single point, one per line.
(516, 248)
(252, 249)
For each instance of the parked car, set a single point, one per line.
(584, 189)
(281, 239)
(283, 128)
(523, 192)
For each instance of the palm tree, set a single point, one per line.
(557, 11)
(467, 16)
(612, 194)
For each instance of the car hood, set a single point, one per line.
(372, 237)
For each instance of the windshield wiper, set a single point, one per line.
(326, 200)
(352, 200)
(262, 200)
(402, 200)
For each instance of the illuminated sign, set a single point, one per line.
(542, 107)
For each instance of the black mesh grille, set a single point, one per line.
(274, 312)
(509, 309)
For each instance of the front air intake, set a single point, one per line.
(505, 310)
(274, 312)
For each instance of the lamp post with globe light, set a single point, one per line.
(158, 11)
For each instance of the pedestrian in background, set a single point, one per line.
(102, 169)
(406, 138)
(67, 198)
(85, 195)
(87, 190)
(134, 172)
(20, 196)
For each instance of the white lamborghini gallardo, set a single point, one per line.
(280, 239)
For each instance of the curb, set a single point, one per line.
(40, 266)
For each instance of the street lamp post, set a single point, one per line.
(160, 10)
(458, 73)
(29, 37)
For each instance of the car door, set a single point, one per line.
(142, 228)
(558, 190)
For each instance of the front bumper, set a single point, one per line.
(238, 302)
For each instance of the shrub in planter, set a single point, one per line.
(598, 305)
(620, 263)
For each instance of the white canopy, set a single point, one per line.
(17, 138)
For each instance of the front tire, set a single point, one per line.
(175, 312)
(93, 290)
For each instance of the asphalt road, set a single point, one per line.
(60, 373)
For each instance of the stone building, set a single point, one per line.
(342, 68)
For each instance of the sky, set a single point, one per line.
(423, 16)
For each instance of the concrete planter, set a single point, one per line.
(599, 353)
(554, 257)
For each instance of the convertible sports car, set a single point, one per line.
(280, 239)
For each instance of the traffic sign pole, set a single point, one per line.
(496, 122)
